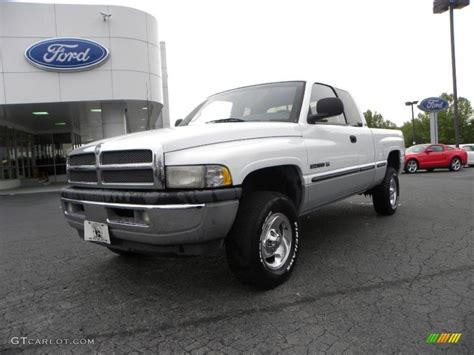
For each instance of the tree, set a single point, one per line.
(376, 120)
(422, 130)
(446, 119)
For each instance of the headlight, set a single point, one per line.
(197, 176)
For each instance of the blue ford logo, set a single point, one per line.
(433, 104)
(66, 54)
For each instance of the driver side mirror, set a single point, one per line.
(429, 150)
(327, 107)
(177, 123)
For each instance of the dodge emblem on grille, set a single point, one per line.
(97, 149)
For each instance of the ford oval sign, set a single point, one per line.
(66, 54)
(433, 104)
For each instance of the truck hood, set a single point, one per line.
(177, 138)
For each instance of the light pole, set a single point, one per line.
(440, 6)
(411, 103)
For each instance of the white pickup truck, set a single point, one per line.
(237, 172)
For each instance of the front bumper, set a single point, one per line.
(169, 222)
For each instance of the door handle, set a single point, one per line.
(353, 139)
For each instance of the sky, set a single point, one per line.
(384, 52)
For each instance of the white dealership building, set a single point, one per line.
(72, 74)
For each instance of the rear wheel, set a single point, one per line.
(455, 164)
(263, 244)
(385, 197)
(412, 166)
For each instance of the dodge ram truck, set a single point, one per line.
(237, 173)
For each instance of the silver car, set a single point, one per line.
(469, 148)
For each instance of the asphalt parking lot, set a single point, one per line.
(363, 283)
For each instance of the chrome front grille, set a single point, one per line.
(83, 176)
(126, 157)
(139, 168)
(141, 176)
(82, 159)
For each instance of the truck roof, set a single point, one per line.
(277, 81)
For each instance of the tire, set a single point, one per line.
(266, 225)
(455, 164)
(386, 196)
(411, 166)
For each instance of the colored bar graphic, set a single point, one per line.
(454, 338)
(443, 338)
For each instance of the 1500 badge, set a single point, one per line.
(320, 165)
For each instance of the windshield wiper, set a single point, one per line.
(224, 120)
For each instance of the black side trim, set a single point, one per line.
(152, 197)
(342, 173)
(365, 168)
(380, 165)
(335, 175)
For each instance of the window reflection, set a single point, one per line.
(39, 156)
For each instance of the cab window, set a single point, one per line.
(437, 148)
(321, 91)
(352, 112)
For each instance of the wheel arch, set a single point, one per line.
(286, 179)
(394, 160)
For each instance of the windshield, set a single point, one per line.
(277, 102)
(417, 148)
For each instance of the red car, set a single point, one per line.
(432, 156)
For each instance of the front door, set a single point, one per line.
(436, 156)
(333, 155)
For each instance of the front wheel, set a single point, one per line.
(455, 164)
(263, 244)
(385, 197)
(412, 166)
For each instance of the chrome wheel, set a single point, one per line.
(393, 191)
(456, 164)
(276, 241)
(412, 166)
